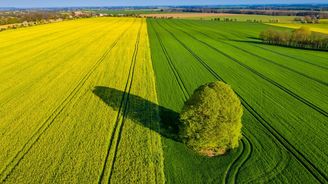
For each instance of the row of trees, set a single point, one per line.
(22, 16)
(303, 38)
(225, 19)
(308, 20)
(262, 11)
(248, 20)
(13, 17)
(18, 19)
(27, 24)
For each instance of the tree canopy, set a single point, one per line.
(211, 119)
(302, 37)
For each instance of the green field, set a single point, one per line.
(97, 101)
(281, 112)
(245, 17)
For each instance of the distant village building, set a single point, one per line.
(102, 14)
(25, 23)
(78, 13)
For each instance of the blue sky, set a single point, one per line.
(60, 3)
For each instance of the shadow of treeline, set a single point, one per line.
(258, 41)
(141, 111)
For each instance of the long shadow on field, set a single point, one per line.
(142, 111)
(259, 42)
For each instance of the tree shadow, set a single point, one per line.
(141, 111)
(260, 42)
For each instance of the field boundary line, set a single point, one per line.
(240, 156)
(243, 145)
(121, 115)
(159, 173)
(172, 66)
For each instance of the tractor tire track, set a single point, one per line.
(307, 164)
(9, 168)
(292, 57)
(37, 45)
(230, 175)
(121, 116)
(45, 73)
(65, 34)
(272, 51)
(275, 171)
(260, 57)
(246, 143)
(280, 65)
(279, 86)
(257, 45)
(176, 74)
(172, 66)
(245, 157)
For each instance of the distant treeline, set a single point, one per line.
(318, 14)
(14, 17)
(19, 17)
(302, 38)
(225, 19)
(308, 20)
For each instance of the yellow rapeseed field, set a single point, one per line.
(70, 96)
(320, 28)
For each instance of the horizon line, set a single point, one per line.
(131, 6)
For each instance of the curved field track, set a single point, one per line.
(62, 87)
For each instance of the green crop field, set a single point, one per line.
(283, 92)
(247, 17)
(97, 100)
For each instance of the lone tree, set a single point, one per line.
(211, 119)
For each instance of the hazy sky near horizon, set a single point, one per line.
(62, 3)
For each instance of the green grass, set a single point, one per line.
(283, 92)
(245, 17)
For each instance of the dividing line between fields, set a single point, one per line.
(228, 172)
(121, 116)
